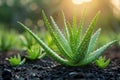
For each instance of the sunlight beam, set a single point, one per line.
(80, 1)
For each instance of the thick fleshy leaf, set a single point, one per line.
(74, 26)
(70, 32)
(23, 61)
(82, 50)
(73, 37)
(44, 46)
(65, 27)
(57, 37)
(79, 32)
(94, 55)
(54, 38)
(63, 43)
(93, 41)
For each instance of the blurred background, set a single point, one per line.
(29, 13)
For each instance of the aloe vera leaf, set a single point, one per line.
(64, 43)
(65, 27)
(94, 55)
(79, 32)
(45, 47)
(86, 39)
(56, 38)
(93, 41)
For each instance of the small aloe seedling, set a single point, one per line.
(16, 60)
(74, 50)
(101, 62)
(35, 53)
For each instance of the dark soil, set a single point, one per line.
(48, 69)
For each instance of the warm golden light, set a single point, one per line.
(80, 1)
(116, 7)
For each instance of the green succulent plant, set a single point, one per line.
(75, 51)
(16, 60)
(101, 62)
(35, 53)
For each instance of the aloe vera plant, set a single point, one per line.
(101, 62)
(16, 60)
(75, 51)
(35, 52)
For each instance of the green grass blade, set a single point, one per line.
(44, 46)
(93, 41)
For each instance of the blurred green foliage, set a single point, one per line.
(45, 36)
(26, 40)
(106, 37)
(7, 40)
(27, 11)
